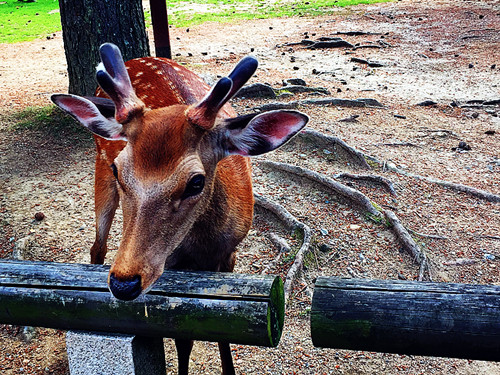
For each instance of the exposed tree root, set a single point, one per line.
(485, 195)
(292, 224)
(408, 243)
(488, 237)
(482, 194)
(372, 178)
(332, 141)
(360, 103)
(353, 196)
(279, 243)
(358, 199)
(361, 158)
(460, 262)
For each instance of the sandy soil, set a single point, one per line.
(441, 50)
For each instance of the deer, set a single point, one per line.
(174, 153)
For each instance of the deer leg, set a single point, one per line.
(106, 203)
(226, 358)
(183, 352)
(224, 348)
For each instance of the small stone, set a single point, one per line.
(471, 66)
(327, 152)
(426, 103)
(295, 82)
(39, 216)
(354, 227)
(324, 231)
(490, 132)
(256, 90)
(464, 146)
(402, 277)
(493, 66)
(475, 115)
(324, 248)
(489, 256)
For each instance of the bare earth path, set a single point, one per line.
(444, 51)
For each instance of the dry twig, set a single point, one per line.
(432, 236)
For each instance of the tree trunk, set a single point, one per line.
(89, 23)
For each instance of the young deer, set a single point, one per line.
(174, 153)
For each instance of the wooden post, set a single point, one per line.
(240, 309)
(159, 18)
(436, 319)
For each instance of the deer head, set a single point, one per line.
(168, 175)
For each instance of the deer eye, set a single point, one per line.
(194, 186)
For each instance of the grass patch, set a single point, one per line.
(50, 121)
(186, 13)
(21, 21)
(38, 118)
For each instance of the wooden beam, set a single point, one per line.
(241, 309)
(435, 319)
(159, 18)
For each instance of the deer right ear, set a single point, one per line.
(89, 116)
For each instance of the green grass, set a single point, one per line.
(47, 120)
(23, 21)
(225, 11)
(37, 118)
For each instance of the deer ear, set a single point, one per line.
(255, 135)
(89, 116)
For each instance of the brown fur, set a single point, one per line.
(160, 142)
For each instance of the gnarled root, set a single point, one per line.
(292, 224)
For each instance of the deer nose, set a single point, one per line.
(127, 289)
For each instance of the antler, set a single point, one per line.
(204, 113)
(113, 78)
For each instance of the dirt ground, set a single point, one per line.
(444, 51)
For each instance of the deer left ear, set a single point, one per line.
(255, 135)
(87, 113)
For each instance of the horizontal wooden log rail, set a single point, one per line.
(207, 306)
(435, 319)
